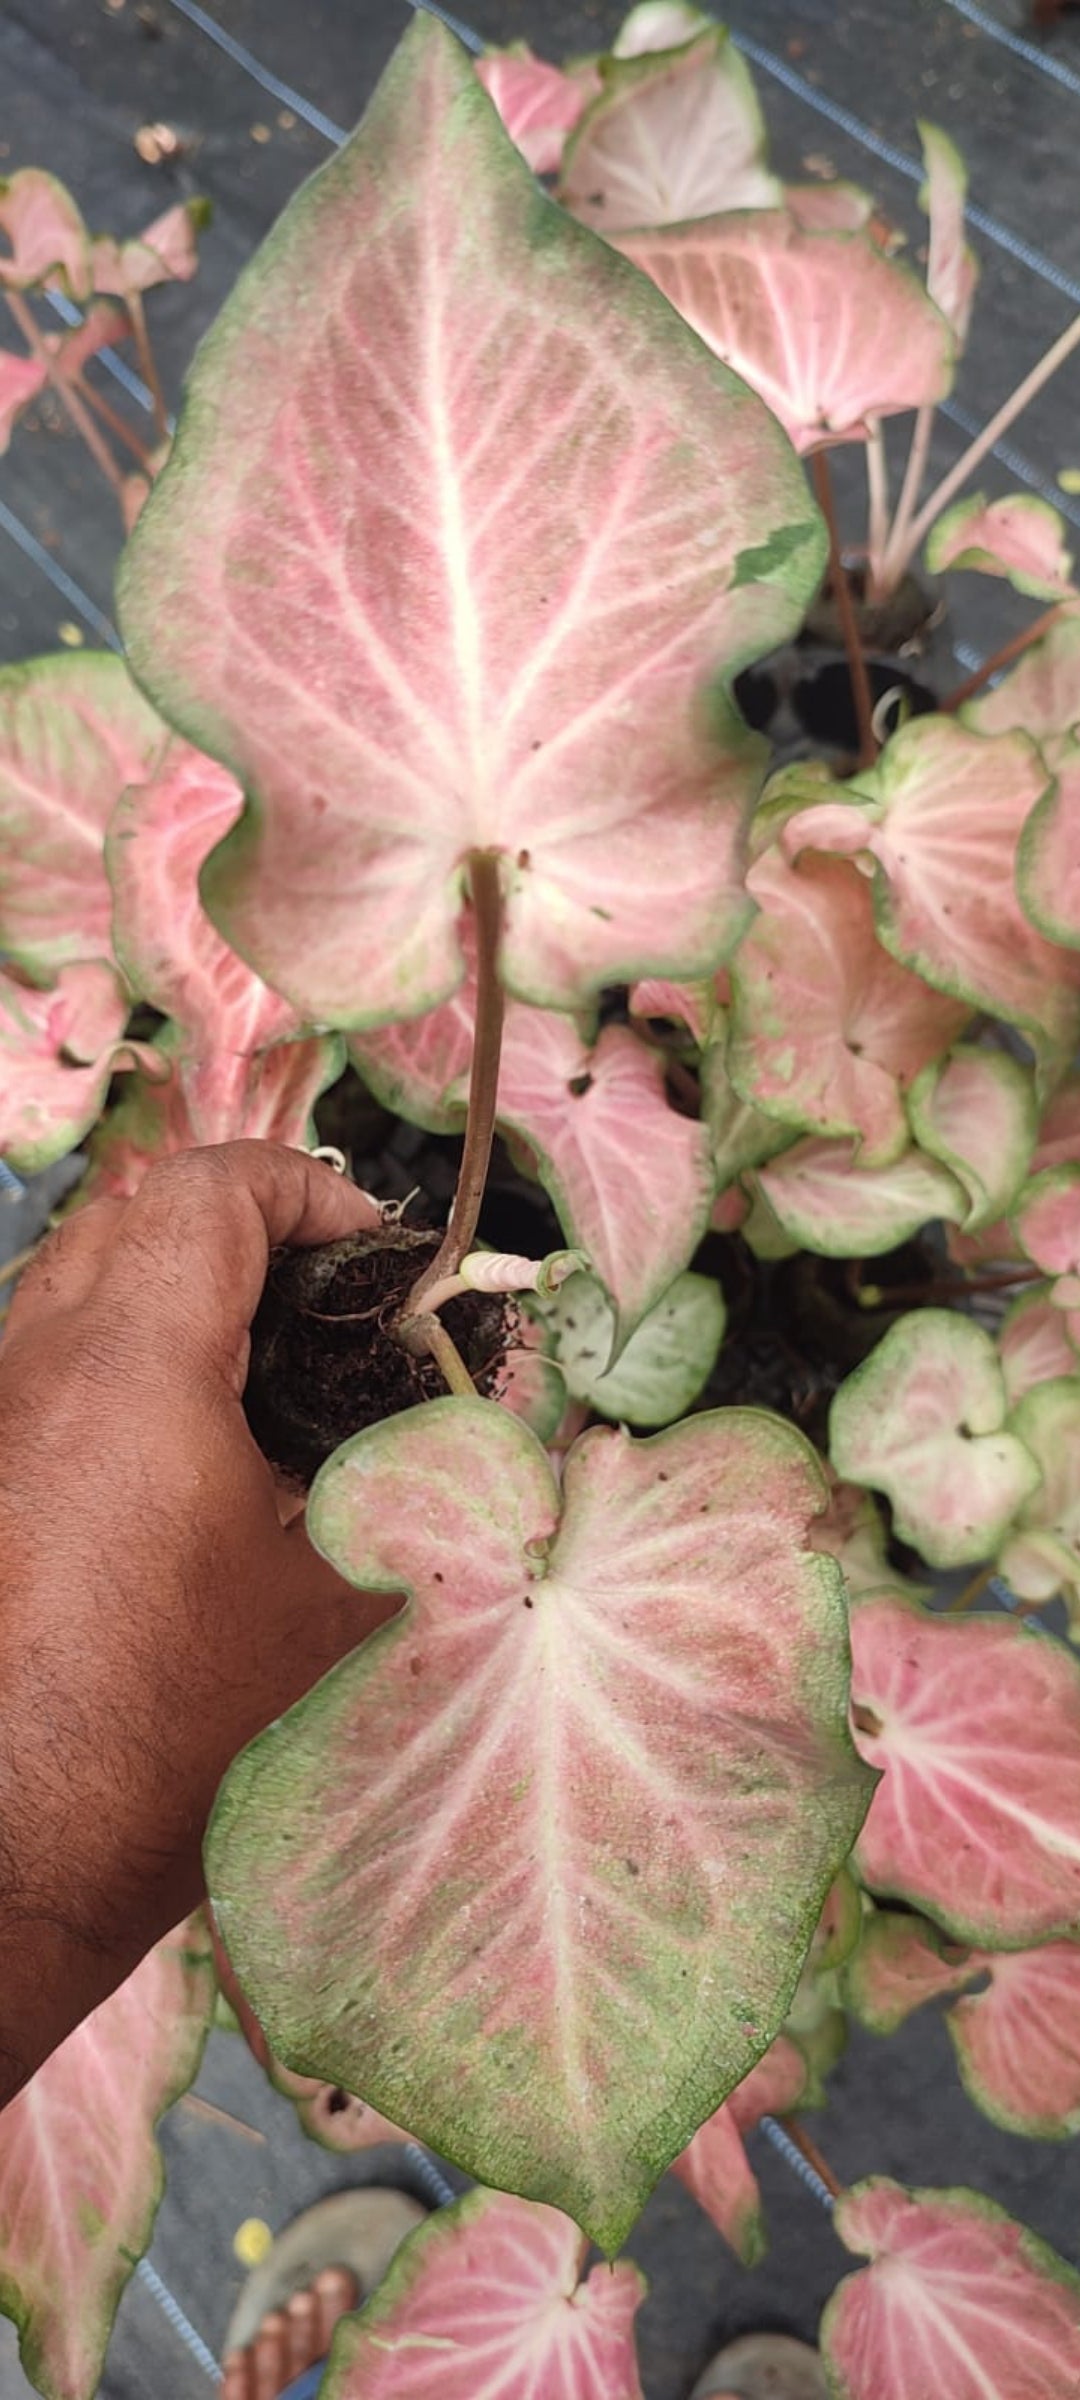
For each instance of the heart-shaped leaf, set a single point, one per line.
(829, 331)
(479, 1875)
(1017, 2039)
(45, 234)
(715, 2167)
(824, 1201)
(941, 816)
(58, 1051)
(267, 1098)
(538, 104)
(404, 398)
(491, 2290)
(923, 1420)
(952, 270)
(165, 252)
(946, 1707)
(1020, 537)
(80, 2173)
(977, 1112)
(660, 1372)
(73, 733)
(1041, 1553)
(960, 2301)
(673, 134)
(1048, 861)
(1041, 695)
(826, 1028)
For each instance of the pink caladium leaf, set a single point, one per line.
(674, 134)
(73, 732)
(952, 270)
(832, 207)
(480, 1840)
(21, 379)
(556, 716)
(80, 2172)
(539, 105)
(44, 232)
(715, 2167)
(940, 818)
(977, 1112)
(923, 1419)
(690, 1004)
(826, 1028)
(1033, 1345)
(823, 1200)
(1041, 695)
(831, 333)
(1047, 1223)
(1048, 860)
(166, 252)
(959, 2300)
(491, 2288)
(1058, 1145)
(659, 25)
(1040, 1556)
(1017, 2039)
(852, 1530)
(1020, 537)
(945, 1706)
(266, 1098)
(741, 1135)
(58, 1051)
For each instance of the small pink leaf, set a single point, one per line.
(833, 207)
(484, 1839)
(1020, 537)
(715, 2167)
(824, 1201)
(973, 1821)
(830, 332)
(689, 1004)
(923, 1420)
(45, 234)
(672, 135)
(1047, 1220)
(73, 733)
(1033, 1345)
(1041, 1553)
(1048, 861)
(1041, 694)
(659, 25)
(405, 399)
(538, 104)
(21, 380)
(490, 2290)
(58, 1051)
(267, 1098)
(901, 1962)
(952, 269)
(960, 2301)
(941, 816)
(167, 252)
(826, 1028)
(80, 2173)
(977, 1112)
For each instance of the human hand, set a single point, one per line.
(156, 1612)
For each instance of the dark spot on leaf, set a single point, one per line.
(632, 1867)
(526, 1603)
(337, 2100)
(524, 858)
(319, 806)
(663, 1476)
(865, 1720)
(416, 1666)
(580, 1084)
(965, 1433)
(436, 1578)
(536, 745)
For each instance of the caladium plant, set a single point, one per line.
(429, 754)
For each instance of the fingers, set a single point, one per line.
(66, 1266)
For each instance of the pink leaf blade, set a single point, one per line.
(1048, 859)
(977, 1112)
(944, 1707)
(1040, 1556)
(1040, 695)
(45, 232)
(69, 2240)
(1033, 1345)
(901, 1963)
(952, 269)
(490, 2289)
(166, 252)
(490, 1709)
(556, 716)
(672, 135)
(21, 379)
(959, 2299)
(58, 1051)
(823, 1200)
(1017, 2043)
(539, 105)
(714, 2166)
(1021, 538)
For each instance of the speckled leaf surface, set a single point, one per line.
(660, 1372)
(960, 2300)
(465, 460)
(826, 1028)
(672, 134)
(715, 2167)
(977, 1112)
(487, 2298)
(823, 1200)
(830, 332)
(1020, 537)
(80, 2173)
(941, 818)
(73, 733)
(590, 1810)
(976, 1726)
(923, 1419)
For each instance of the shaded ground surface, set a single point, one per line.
(79, 77)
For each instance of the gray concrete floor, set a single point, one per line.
(78, 78)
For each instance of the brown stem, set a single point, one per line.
(942, 1287)
(66, 394)
(972, 1591)
(460, 1233)
(1001, 658)
(148, 363)
(111, 417)
(845, 609)
(797, 2133)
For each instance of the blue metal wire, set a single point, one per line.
(181, 2324)
(800, 2166)
(58, 576)
(433, 2185)
(1053, 67)
(10, 1186)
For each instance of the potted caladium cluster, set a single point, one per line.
(424, 794)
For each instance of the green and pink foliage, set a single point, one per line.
(672, 134)
(1021, 537)
(461, 695)
(952, 270)
(539, 105)
(58, 1051)
(1016, 2037)
(63, 355)
(1041, 1552)
(1033, 1345)
(958, 2299)
(972, 1822)
(821, 1198)
(550, 1922)
(45, 235)
(492, 2288)
(977, 1112)
(715, 2167)
(80, 2173)
(164, 252)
